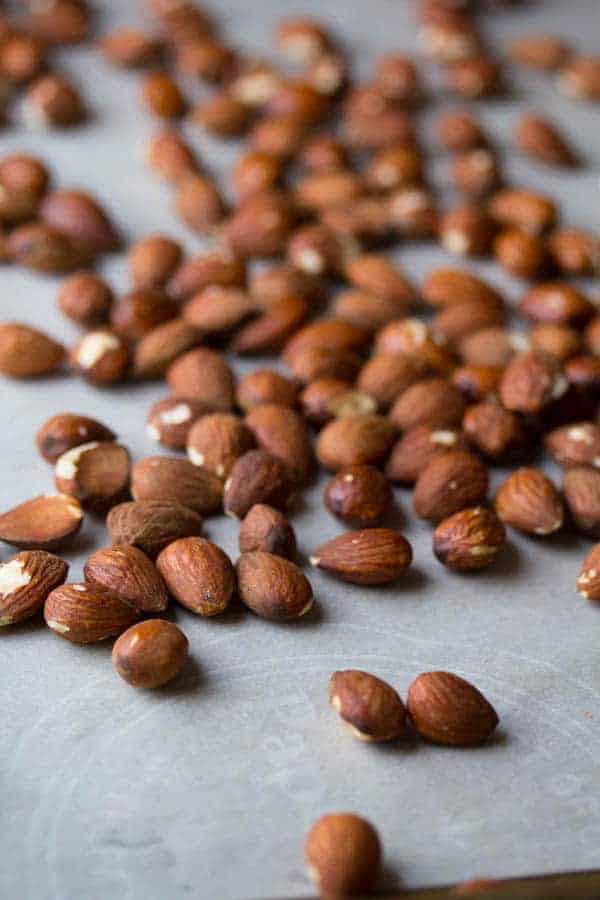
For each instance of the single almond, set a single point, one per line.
(272, 587)
(172, 480)
(326, 334)
(378, 275)
(369, 556)
(358, 495)
(445, 286)
(588, 583)
(96, 473)
(203, 375)
(79, 216)
(270, 330)
(265, 386)
(469, 540)
(493, 346)
(151, 653)
(523, 208)
(343, 853)
(256, 477)
(265, 528)
(171, 419)
(43, 523)
(28, 353)
(577, 444)
(417, 447)
(25, 581)
(216, 310)
(67, 430)
(539, 138)
(369, 706)
(216, 441)
(199, 272)
(430, 401)
(152, 261)
(101, 357)
(363, 439)
(129, 573)
(581, 487)
(151, 525)
(198, 574)
(325, 399)
(86, 299)
(530, 383)
(87, 613)
(281, 432)
(162, 345)
(448, 710)
(140, 311)
(556, 302)
(530, 502)
(385, 376)
(450, 482)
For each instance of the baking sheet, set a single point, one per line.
(207, 788)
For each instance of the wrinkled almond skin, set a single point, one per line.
(265, 528)
(97, 474)
(363, 439)
(216, 441)
(161, 346)
(265, 386)
(86, 299)
(203, 375)
(343, 853)
(450, 482)
(171, 480)
(256, 477)
(530, 383)
(577, 444)
(369, 556)
(358, 495)
(530, 502)
(28, 353)
(588, 583)
(581, 488)
(368, 705)
(469, 540)
(431, 401)
(43, 523)
(198, 574)
(150, 654)
(272, 587)
(151, 525)
(67, 430)
(87, 613)
(282, 432)
(171, 419)
(497, 433)
(79, 216)
(25, 581)
(417, 447)
(129, 573)
(446, 709)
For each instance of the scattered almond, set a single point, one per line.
(25, 581)
(369, 706)
(128, 572)
(273, 587)
(448, 710)
(369, 556)
(198, 574)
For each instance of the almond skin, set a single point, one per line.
(469, 540)
(588, 583)
(171, 419)
(530, 502)
(446, 709)
(172, 480)
(151, 653)
(67, 430)
(25, 581)
(282, 432)
(216, 441)
(530, 383)
(96, 473)
(450, 482)
(272, 587)
(43, 523)
(369, 706)
(198, 574)
(151, 525)
(28, 353)
(79, 216)
(326, 334)
(497, 433)
(358, 495)
(87, 613)
(343, 853)
(581, 487)
(129, 573)
(256, 477)
(432, 401)
(577, 444)
(265, 528)
(535, 136)
(203, 375)
(363, 439)
(368, 556)
(162, 346)
(417, 447)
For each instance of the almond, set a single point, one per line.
(367, 311)
(170, 157)
(414, 340)
(25, 581)
(521, 253)
(256, 477)
(272, 587)
(198, 203)
(216, 441)
(270, 330)
(326, 334)
(448, 710)
(574, 252)
(431, 401)
(581, 487)
(523, 208)
(128, 572)
(320, 396)
(87, 613)
(343, 853)
(497, 433)
(379, 276)
(52, 101)
(450, 482)
(129, 48)
(556, 302)
(96, 473)
(67, 430)
(368, 556)
(355, 440)
(265, 528)
(417, 447)
(458, 320)
(162, 97)
(358, 495)
(172, 480)
(81, 218)
(530, 502)
(216, 310)
(466, 230)
(535, 136)
(580, 78)
(198, 574)
(86, 299)
(444, 286)
(265, 386)
(369, 706)
(477, 382)
(151, 525)
(545, 52)
(153, 260)
(559, 341)
(43, 523)
(493, 346)
(26, 352)
(199, 272)
(385, 376)
(140, 311)
(282, 281)
(476, 173)
(531, 382)
(474, 78)
(150, 654)
(576, 444)
(203, 375)
(282, 433)
(101, 357)
(162, 345)
(171, 419)
(588, 583)
(469, 540)
(260, 225)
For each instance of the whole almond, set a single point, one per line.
(79, 216)
(53, 101)
(265, 386)
(256, 477)
(162, 345)
(556, 302)
(101, 357)
(151, 653)
(466, 230)
(319, 398)
(413, 212)
(205, 376)
(43, 523)
(151, 525)
(272, 587)
(588, 583)
(497, 433)
(469, 540)
(542, 51)
(431, 401)
(577, 444)
(67, 430)
(282, 432)
(535, 136)
(367, 311)
(86, 299)
(369, 706)
(199, 272)
(417, 447)
(530, 383)
(413, 339)
(530, 502)
(217, 310)
(385, 376)
(343, 853)
(129, 48)
(477, 382)
(310, 363)
(367, 556)
(327, 334)
(523, 208)
(355, 440)
(265, 528)
(153, 260)
(581, 488)
(272, 328)
(216, 441)
(281, 281)
(580, 78)
(172, 480)
(450, 482)
(87, 613)
(457, 320)
(444, 286)
(198, 203)
(559, 341)
(358, 495)
(198, 574)
(448, 710)
(521, 253)
(171, 419)
(96, 473)
(170, 157)
(260, 225)
(377, 275)
(140, 311)
(162, 96)
(493, 346)
(574, 252)
(25, 581)
(129, 573)
(26, 352)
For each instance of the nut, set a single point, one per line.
(576, 444)
(445, 286)
(475, 172)
(521, 253)
(152, 261)
(129, 48)
(170, 420)
(53, 101)
(198, 203)
(343, 853)
(557, 303)
(493, 346)
(256, 477)
(169, 157)
(87, 613)
(326, 398)
(198, 574)
(96, 473)
(477, 382)
(466, 231)
(25, 581)
(397, 78)
(530, 383)
(385, 376)
(363, 439)
(272, 587)
(522, 208)
(260, 225)
(458, 131)
(530, 502)
(280, 282)
(431, 401)
(162, 345)
(265, 386)
(412, 339)
(26, 352)
(581, 488)
(413, 212)
(456, 321)
(537, 137)
(101, 357)
(301, 40)
(358, 495)
(67, 430)
(203, 375)
(474, 78)
(450, 482)
(580, 78)
(217, 310)
(588, 583)
(172, 480)
(282, 433)
(42, 523)
(377, 275)
(223, 114)
(162, 97)
(574, 252)
(310, 363)
(369, 706)
(151, 653)
(395, 167)
(497, 433)
(469, 540)
(151, 525)
(255, 171)
(268, 332)
(417, 447)
(265, 528)
(216, 441)
(326, 334)
(86, 299)
(368, 556)
(539, 51)
(81, 218)
(448, 710)
(140, 311)
(59, 21)
(128, 572)
(41, 248)
(559, 341)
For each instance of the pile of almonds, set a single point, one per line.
(385, 384)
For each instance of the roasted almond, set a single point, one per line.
(497, 433)
(217, 310)
(457, 320)
(493, 346)
(450, 482)
(162, 345)
(385, 376)
(260, 225)
(216, 441)
(417, 447)
(358, 495)
(199, 272)
(431, 401)
(170, 420)
(265, 386)
(355, 440)
(25, 581)
(588, 583)
(466, 230)
(581, 488)
(309, 363)
(530, 383)
(414, 340)
(97, 473)
(469, 540)
(273, 587)
(265, 528)
(67, 430)
(86, 299)
(28, 353)
(172, 480)
(368, 556)
(448, 710)
(530, 502)
(152, 260)
(574, 252)
(282, 432)
(523, 208)
(256, 477)
(326, 334)
(377, 275)
(198, 574)
(269, 331)
(205, 376)
(151, 525)
(577, 444)
(87, 613)
(580, 78)
(150, 653)
(539, 138)
(79, 216)
(343, 853)
(556, 302)
(369, 706)
(140, 311)
(444, 286)
(131, 574)
(521, 253)
(101, 357)
(43, 523)
(542, 51)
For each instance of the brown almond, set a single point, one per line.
(581, 488)
(223, 115)
(367, 311)
(198, 203)
(162, 96)
(101, 357)
(199, 272)
(556, 302)
(588, 583)
(152, 261)
(417, 447)
(530, 383)
(343, 853)
(456, 321)
(358, 495)
(53, 101)
(328, 334)
(198, 574)
(281, 281)
(576, 444)
(67, 430)
(216, 441)
(42, 523)
(377, 275)
(86, 299)
(477, 382)
(474, 78)
(496, 432)
(28, 353)
(25, 581)
(87, 613)
(140, 311)
(431, 401)
(151, 525)
(580, 78)
(450, 482)
(448, 710)
(270, 330)
(129, 48)
(260, 225)
(282, 433)
(558, 341)
(129, 573)
(521, 253)
(151, 653)
(256, 477)
(444, 286)
(542, 51)
(171, 419)
(385, 376)
(469, 540)
(355, 440)
(162, 345)
(172, 480)
(272, 587)
(414, 340)
(96, 473)
(369, 706)
(539, 138)
(267, 529)
(217, 310)
(203, 375)
(368, 556)
(493, 346)
(574, 252)
(310, 363)
(79, 216)
(320, 396)
(523, 208)
(170, 157)
(530, 502)
(265, 386)
(466, 230)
